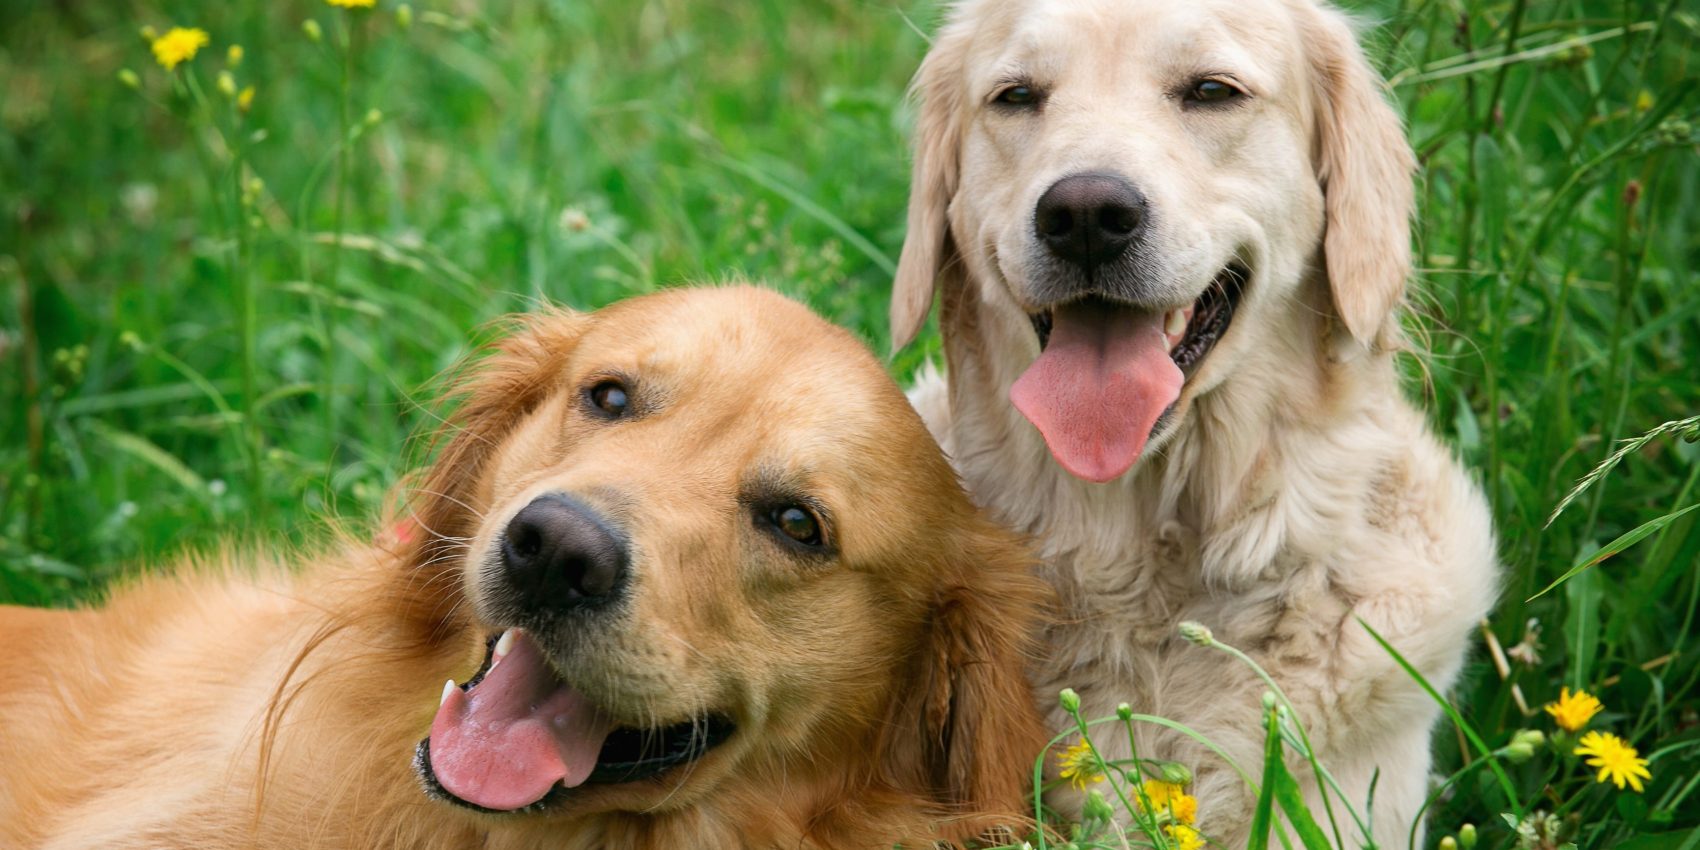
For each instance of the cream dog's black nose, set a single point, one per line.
(559, 554)
(1090, 219)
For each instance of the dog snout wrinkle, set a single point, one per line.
(1089, 220)
(558, 554)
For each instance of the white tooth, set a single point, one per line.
(1175, 322)
(504, 644)
(448, 688)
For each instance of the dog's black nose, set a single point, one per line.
(559, 554)
(1089, 219)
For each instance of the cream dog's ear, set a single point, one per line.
(1364, 165)
(937, 90)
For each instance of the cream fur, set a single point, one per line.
(1296, 490)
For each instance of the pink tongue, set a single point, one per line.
(1098, 388)
(505, 742)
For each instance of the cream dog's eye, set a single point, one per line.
(1212, 91)
(1018, 96)
(799, 524)
(609, 397)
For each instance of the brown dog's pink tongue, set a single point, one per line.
(506, 741)
(1098, 387)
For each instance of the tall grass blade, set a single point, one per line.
(1451, 713)
(1628, 539)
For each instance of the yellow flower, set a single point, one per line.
(245, 99)
(1572, 711)
(178, 45)
(353, 4)
(1617, 761)
(1169, 798)
(233, 56)
(1079, 766)
(1184, 837)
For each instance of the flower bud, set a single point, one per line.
(226, 84)
(1069, 700)
(1467, 836)
(129, 78)
(1124, 711)
(1518, 752)
(245, 100)
(1096, 807)
(311, 29)
(373, 116)
(233, 56)
(404, 15)
(1448, 843)
(149, 33)
(1175, 773)
(1532, 737)
(1269, 701)
(1197, 633)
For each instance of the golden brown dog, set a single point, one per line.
(707, 579)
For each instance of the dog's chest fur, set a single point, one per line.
(1279, 538)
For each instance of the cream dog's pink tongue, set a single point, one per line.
(1098, 387)
(505, 742)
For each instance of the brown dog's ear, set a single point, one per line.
(1364, 165)
(494, 391)
(937, 90)
(978, 725)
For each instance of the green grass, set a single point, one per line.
(185, 356)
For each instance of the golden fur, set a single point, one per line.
(247, 703)
(1292, 489)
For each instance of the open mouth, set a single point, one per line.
(1108, 373)
(1201, 325)
(517, 738)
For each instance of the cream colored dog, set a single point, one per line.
(1172, 241)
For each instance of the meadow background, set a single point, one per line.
(223, 321)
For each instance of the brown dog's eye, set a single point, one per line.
(798, 524)
(1017, 96)
(609, 397)
(1212, 91)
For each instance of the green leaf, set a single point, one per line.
(1582, 626)
(1265, 810)
(1627, 540)
(147, 452)
(1682, 839)
(1292, 802)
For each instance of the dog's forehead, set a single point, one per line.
(748, 348)
(1196, 36)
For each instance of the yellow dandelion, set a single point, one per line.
(245, 99)
(1184, 837)
(1572, 711)
(1618, 762)
(1169, 798)
(178, 45)
(1080, 766)
(353, 4)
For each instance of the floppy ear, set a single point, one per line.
(980, 729)
(1364, 165)
(495, 391)
(938, 136)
